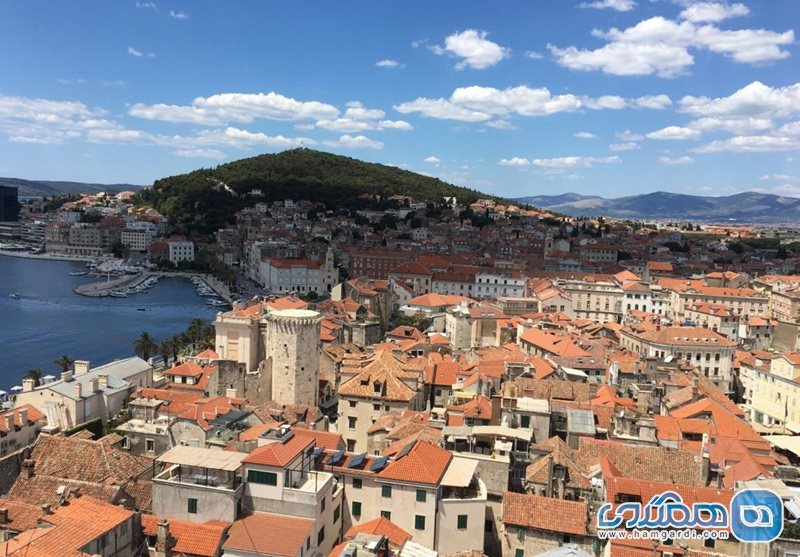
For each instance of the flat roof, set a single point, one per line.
(460, 472)
(294, 313)
(214, 459)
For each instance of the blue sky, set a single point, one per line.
(606, 97)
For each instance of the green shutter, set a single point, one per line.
(356, 508)
(421, 495)
(386, 514)
(192, 507)
(419, 522)
(462, 522)
(258, 477)
(525, 421)
(386, 491)
(356, 483)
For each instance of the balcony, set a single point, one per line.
(205, 479)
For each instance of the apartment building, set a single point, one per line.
(492, 285)
(180, 249)
(599, 300)
(776, 393)
(707, 350)
(19, 428)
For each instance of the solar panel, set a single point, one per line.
(357, 460)
(378, 463)
(317, 452)
(405, 450)
(336, 457)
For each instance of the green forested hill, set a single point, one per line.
(206, 199)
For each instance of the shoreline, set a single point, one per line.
(47, 257)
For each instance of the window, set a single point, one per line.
(126, 443)
(419, 522)
(351, 423)
(525, 421)
(519, 552)
(192, 508)
(321, 536)
(421, 495)
(711, 542)
(336, 513)
(323, 504)
(462, 522)
(356, 483)
(386, 514)
(352, 404)
(351, 445)
(258, 477)
(150, 445)
(308, 543)
(356, 508)
(386, 491)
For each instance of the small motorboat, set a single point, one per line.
(117, 294)
(14, 296)
(79, 274)
(141, 309)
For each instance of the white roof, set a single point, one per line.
(460, 472)
(413, 549)
(789, 443)
(200, 457)
(533, 404)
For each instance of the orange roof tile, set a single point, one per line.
(279, 454)
(424, 463)
(383, 527)
(269, 534)
(189, 538)
(545, 513)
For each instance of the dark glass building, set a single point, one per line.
(9, 204)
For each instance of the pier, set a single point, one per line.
(104, 288)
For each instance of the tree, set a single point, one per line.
(64, 362)
(145, 346)
(165, 350)
(36, 374)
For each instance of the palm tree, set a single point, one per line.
(145, 346)
(36, 374)
(175, 345)
(165, 350)
(64, 362)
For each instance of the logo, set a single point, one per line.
(756, 515)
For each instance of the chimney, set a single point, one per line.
(27, 469)
(103, 379)
(23, 416)
(46, 508)
(163, 545)
(3, 515)
(81, 367)
(78, 390)
(66, 376)
(93, 384)
(230, 393)
(27, 385)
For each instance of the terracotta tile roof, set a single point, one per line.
(21, 516)
(207, 354)
(189, 538)
(562, 455)
(642, 462)
(442, 374)
(324, 439)
(269, 534)
(686, 336)
(549, 389)
(34, 415)
(189, 368)
(427, 434)
(141, 492)
(279, 454)
(478, 407)
(434, 300)
(206, 410)
(254, 432)
(424, 463)
(175, 401)
(385, 370)
(383, 527)
(45, 489)
(74, 526)
(545, 513)
(85, 460)
(552, 343)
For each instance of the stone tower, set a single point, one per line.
(291, 342)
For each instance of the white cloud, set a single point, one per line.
(200, 153)
(584, 135)
(71, 81)
(150, 5)
(676, 160)
(395, 125)
(236, 107)
(433, 160)
(674, 133)
(229, 137)
(731, 125)
(630, 146)
(612, 102)
(661, 46)
(359, 118)
(178, 15)
(44, 121)
(354, 142)
(533, 55)
(753, 100)
(575, 162)
(618, 5)
(473, 48)
(628, 135)
(779, 177)
(388, 63)
(501, 125)
(653, 102)
(138, 53)
(751, 144)
(713, 12)
(514, 161)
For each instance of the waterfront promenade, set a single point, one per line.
(104, 288)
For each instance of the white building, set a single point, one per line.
(180, 250)
(298, 275)
(491, 285)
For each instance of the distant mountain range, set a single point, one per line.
(747, 207)
(46, 188)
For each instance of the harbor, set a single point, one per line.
(207, 286)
